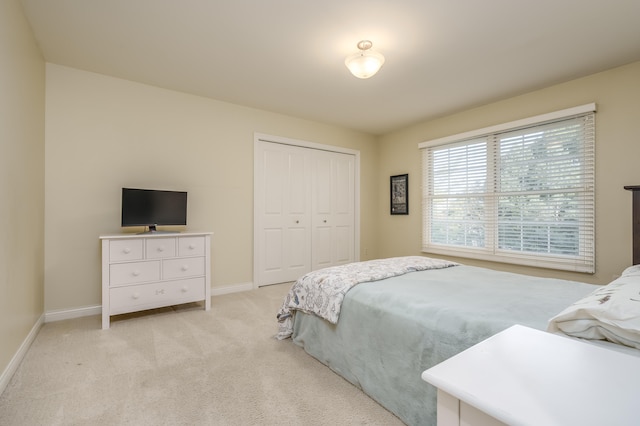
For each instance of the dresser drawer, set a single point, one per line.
(134, 272)
(191, 246)
(154, 295)
(182, 268)
(161, 247)
(123, 250)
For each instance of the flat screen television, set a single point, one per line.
(151, 208)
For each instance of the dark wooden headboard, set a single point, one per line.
(635, 214)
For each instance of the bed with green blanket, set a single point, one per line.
(390, 330)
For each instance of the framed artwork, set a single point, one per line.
(399, 194)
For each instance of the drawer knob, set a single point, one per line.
(127, 250)
(135, 296)
(185, 267)
(135, 273)
(185, 289)
(161, 248)
(160, 291)
(192, 246)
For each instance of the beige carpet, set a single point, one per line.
(181, 366)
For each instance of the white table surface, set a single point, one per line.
(523, 376)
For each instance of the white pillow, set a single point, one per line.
(631, 270)
(609, 313)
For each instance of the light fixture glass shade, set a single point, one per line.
(366, 62)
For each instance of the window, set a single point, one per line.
(520, 192)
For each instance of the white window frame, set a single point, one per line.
(584, 262)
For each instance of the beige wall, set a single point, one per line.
(104, 133)
(617, 95)
(22, 77)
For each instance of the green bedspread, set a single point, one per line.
(390, 331)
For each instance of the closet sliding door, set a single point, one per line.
(282, 235)
(332, 204)
(304, 210)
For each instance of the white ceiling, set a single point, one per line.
(287, 56)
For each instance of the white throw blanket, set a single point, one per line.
(321, 292)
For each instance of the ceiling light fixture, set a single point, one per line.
(366, 63)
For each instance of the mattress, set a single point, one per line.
(390, 331)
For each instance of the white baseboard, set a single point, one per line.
(65, 314)
(8, 372)
(236, 288)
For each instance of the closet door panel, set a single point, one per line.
(333, 208)
(343, 186)
(297, 249)
(298, 182)
(321, 206)
(272, 262)
(297, 219)
(322, 183)
(272, 258)
(273, 162)
(343, 245)
(344, 207)
(322, 251)
(282, 179)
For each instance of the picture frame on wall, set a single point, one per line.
(399, 191)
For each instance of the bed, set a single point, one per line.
(381, 333)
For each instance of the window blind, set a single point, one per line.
(521, 195)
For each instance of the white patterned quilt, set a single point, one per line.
(321, 292)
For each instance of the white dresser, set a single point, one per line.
(147, 271)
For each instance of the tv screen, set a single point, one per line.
(150, 207)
